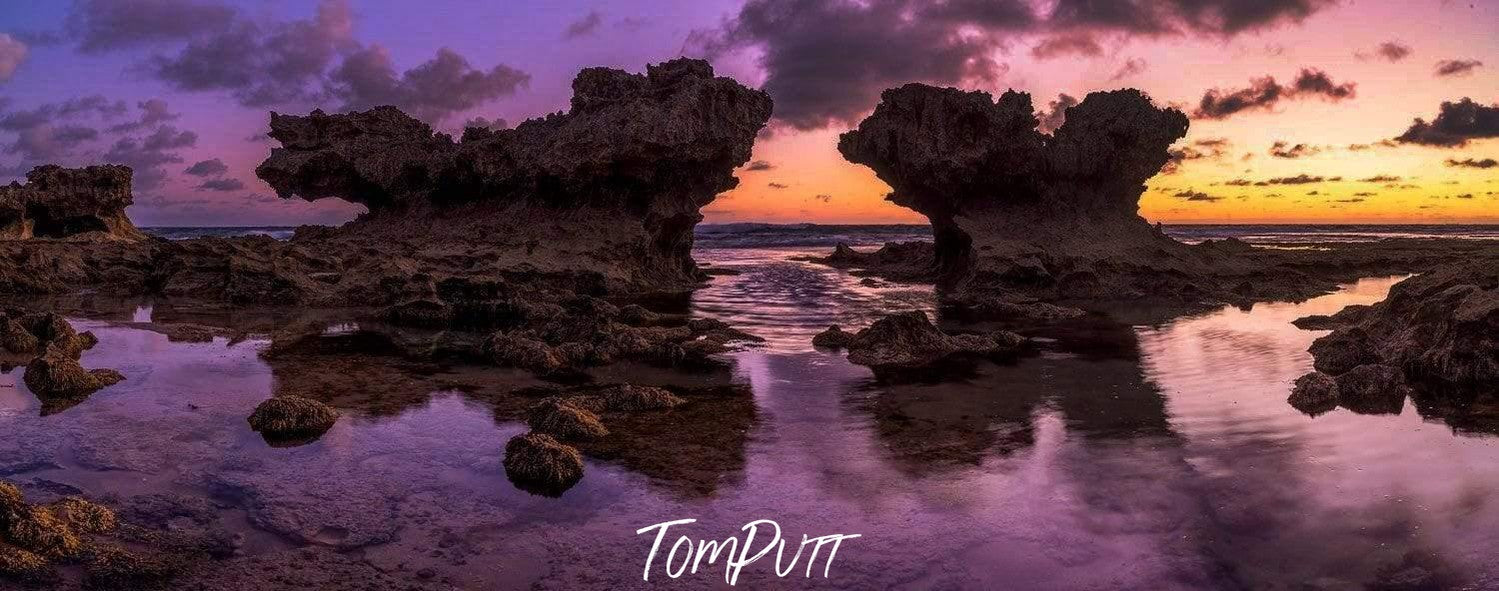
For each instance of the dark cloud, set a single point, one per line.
(1239, 183)
(1264, 93)
(1381, 178)
(1391, 51)
(1221, 18)
(1285, 150)
(1378, 144)
(759, 165)
(101, 25)
(12, 53)
(153, 112)
(1055, 113)
(69, 109)
(433, 90)
(1365, 194)
(222, 185)
(262, 65)
(1457, 67)
(777, 185)
(1191, 195)
(214, 167)
(1203, 149)
(149, 156)
(1131, 67)
(825, 198)
(1352, 200)
(1081, 44)
(1456, 124)
(1471, 163)
(46, 142)
(584, 26)
(1300, 179)
(826, 61)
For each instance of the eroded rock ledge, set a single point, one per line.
(602, 198)
(1436, 337)
(76, 204)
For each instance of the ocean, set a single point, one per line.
(758, 235)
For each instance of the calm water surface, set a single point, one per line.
(1151, 457)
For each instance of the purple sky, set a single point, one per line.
(181, 89)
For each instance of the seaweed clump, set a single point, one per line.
(292, 420)
(539, 464)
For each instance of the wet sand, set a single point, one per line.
(1159, 456)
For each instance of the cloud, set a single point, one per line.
(153, 112)
(205, 168)
(1081, 44)
(102, 25)
(432, 90)
(1131, 67)
(825, 198)
(777, 185)
(1456, 124)
(1300, 179)
(12, 53)
(1210, 149)
(583, 26)
(1381, 178)
(262, 65)
(46, 142)
(1471, 163)
(1191, 195)
(495, 124)
(1390, 51)
(1217, 18)
(1457, 67)
(759, 165)
(1056, 113)
(1264, 93)
(826, 61)
(221, 185)
(1284, 150)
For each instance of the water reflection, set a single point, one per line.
(1159, 457)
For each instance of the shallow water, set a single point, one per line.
(1151, 457)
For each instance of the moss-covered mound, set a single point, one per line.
(292, 419)
(563, 419)
(629, 398)
(537, 463)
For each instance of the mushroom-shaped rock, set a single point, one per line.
(537, 463)
(833, 338)
(908, 340)
(292, 420)
(1314, 393)
(562, 419)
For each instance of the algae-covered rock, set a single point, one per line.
(537, 463)
(629, 397)
(564, 420)
(292, 419)
(57, 374)
(84, 516)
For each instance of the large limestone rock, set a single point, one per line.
(85, 204)
(600, 199)
(1016, 211)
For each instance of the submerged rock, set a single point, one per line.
(537, 463)
(562, 419)
(629, 398)
(833, 338)
(1314, 393)
(292, 420)
(1344, 317)
(909, 341)
(84, 204)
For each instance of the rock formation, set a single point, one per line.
(286, 421)
(50, 349)
(1440, 328)
(1016, 210)
(899, 344)
(537, 463)
(78, 204)
(600, 199)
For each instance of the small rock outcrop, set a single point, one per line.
(562, 419)
(603, 197)
(833, 338)
(539, 464)
(902, 343)
(76, 204)
(51, 350)
(292, 420)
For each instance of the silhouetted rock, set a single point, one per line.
(1344, 317)
(908, 341)
(1343, 350)
(603, 197)
(833, 338)
(83, 204)
(1372, 389)
(1314, 393)
(54, 374)
(537, 463)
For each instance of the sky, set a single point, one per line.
(1332, 111)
